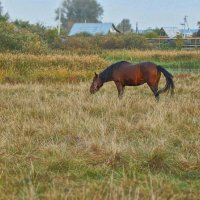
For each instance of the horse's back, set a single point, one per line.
(135, 74)
(143, 65)
(130, 68)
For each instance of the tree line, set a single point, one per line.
(22, 36)
(81, 11)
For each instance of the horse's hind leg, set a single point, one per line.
(120, 89)
(154, 89)
(153, 84)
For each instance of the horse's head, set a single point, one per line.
(96, 84)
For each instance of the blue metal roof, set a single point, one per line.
(91, 28)
(171, 32)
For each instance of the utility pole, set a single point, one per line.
(136, 28)
(185, 24)
(59, 20)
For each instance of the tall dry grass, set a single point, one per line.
(72, 67)
(156, 55)
(19, 68)
(59, 142)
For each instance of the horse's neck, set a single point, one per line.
(105, 76)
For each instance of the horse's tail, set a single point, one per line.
(169, 81)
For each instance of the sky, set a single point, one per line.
(148, 13)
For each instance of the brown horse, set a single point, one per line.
(126, 74)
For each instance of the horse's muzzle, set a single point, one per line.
(92, 91)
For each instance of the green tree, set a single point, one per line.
(33, 28)
(22, 24)
(125, 26)
(198, 24)
(79, 11)
(179, 41)
(198, 32)
(3, 17)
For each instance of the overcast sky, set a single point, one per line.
(148, 13)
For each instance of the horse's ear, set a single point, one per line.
(96, 75)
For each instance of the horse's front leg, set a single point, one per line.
(120, 89)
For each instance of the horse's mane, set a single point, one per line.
(106, 74)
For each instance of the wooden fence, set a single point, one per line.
(186, 43)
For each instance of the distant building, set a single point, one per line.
(171, 32)
(93, 28)
(188, 32)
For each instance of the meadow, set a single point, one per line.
(76, 66)
(60, 142)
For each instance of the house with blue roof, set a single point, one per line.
(93, 28)
(172, 32)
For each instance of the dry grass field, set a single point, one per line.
(74, 67)
(59, 142)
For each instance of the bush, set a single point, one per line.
(134, 41)
(84, 34)
(151, 34)
(8, 38)
(86, 42)
(33, 44)
(179, 42)
(24, 37)
(123, 41)
(111, 42)
(14, 39)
